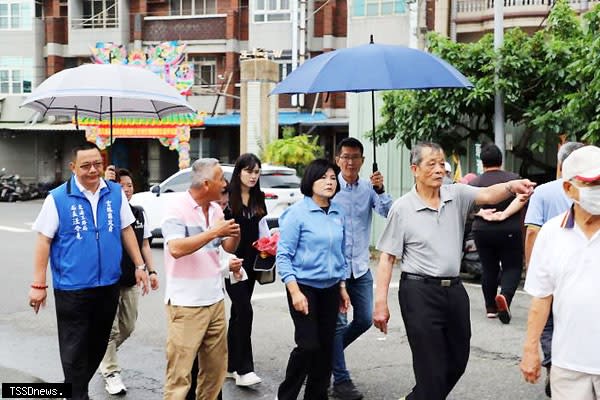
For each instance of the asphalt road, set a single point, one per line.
(380, 365)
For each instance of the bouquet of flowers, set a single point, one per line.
(267, 246)
(264, 264)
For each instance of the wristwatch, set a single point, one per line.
(152, 272)
(141, 267)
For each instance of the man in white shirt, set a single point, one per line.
(563, 275)
(79, 233)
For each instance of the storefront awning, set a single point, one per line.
(40, 126)
(285, 118)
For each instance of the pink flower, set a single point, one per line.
(267, 246)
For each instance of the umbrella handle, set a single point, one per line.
(375, 169)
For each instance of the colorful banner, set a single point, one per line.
(165, 60)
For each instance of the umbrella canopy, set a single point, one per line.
(88, 90)
(372, 67)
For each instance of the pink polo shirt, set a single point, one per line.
(196, 279)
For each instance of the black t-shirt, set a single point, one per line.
(127, 267)
(489, 178)
(248, 235)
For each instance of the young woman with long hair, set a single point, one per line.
(247, 206)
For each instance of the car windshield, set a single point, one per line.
(179, 183)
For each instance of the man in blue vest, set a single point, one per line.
(81, 229)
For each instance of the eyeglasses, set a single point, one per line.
(347, 158)
(88, 166)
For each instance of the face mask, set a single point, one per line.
(589, 199)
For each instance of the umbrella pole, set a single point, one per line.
(375, 169)
(110, 142)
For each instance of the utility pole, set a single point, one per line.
(413, 23)
(498, 97)
(298, 42)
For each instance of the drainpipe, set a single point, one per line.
(294, 43)
(499, 97)
(302, 42)
(413, 23)
(453, 14)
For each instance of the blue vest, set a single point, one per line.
(84, 255)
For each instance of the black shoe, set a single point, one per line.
(548, 388)
(346, 391)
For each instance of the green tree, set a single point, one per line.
(546, 79)
(583, 105)
(293, 151)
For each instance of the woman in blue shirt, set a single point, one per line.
(311, 263)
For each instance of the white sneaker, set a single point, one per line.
(114, 384)
(231, 375)
(248, 379)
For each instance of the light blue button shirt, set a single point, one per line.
(358, 200)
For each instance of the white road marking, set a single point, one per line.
(16, 230)
(393, 285)
(268, 296)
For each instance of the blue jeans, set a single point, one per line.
(360, 291)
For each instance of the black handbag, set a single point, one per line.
(264, 266)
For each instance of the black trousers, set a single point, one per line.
(314, 333)
(239, 333)
(501, 255)
(84, 318)
(438, 327)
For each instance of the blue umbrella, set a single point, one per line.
(372, 67)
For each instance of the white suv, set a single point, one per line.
(281, 186)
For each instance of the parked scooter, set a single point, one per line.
(8, 190)
(13, 189)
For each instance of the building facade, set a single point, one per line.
(38, 39)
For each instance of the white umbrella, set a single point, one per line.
(104, 91)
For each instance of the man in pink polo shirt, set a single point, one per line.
(193, 229)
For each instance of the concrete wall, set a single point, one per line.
(270, 35)
(258, 122)
(10, 110)
(206, 103)
(392, 29)
(32, 155)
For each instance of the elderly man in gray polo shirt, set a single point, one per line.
(424, 230)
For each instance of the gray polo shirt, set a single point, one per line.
(425, 240)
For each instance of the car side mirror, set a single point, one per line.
(156, 190)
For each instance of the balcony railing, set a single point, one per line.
(469, 6)
(95, 23)
(107, 18)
